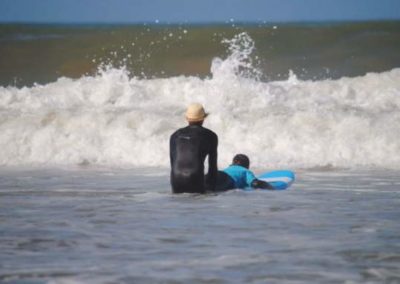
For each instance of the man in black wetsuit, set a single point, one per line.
(189, 147)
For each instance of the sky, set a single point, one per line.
(195, 11)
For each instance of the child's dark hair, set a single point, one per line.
(242, 160)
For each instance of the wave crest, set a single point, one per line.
(113, 119)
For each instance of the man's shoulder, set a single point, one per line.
(210, 132)
(178, 131)
(200, 130)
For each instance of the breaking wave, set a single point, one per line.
(116, 119)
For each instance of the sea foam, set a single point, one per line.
(117, 119)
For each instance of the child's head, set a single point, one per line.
(241, 160)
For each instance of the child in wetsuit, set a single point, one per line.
(238, 175)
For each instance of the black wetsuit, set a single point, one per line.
(189, 148)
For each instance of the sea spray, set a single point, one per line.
(239, 61)
(115, 119)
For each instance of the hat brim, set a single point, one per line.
(196, 119)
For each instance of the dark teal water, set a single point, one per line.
(43, 53)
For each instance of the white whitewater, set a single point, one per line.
(117, 119)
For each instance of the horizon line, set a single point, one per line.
(226, 22)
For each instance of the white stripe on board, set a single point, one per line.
(282, 179)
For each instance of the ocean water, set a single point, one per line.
(314, 51)
(103, 225)
(85, 117)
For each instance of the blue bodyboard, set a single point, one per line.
(280, 180)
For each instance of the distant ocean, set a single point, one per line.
(43, 53)
(86, 112)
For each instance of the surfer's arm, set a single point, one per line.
(256, 183)
(172, 149)
(212, 165)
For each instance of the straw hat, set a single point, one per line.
(195, 112)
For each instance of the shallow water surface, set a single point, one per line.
(98, 225)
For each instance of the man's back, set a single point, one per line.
(189, 148)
